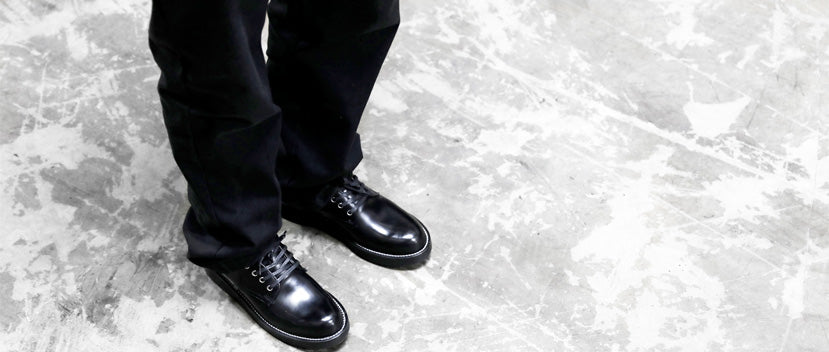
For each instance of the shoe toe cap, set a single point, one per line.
(389, 229)
(328, 319)
(409, 239)
(312, 312)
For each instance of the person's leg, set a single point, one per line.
(224, 128)
(323, 59)
(224, 131)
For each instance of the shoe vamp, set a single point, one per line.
(382, 225)
(303, 307)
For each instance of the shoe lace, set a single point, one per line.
(351, 194)
(351, 182)
(275, 265)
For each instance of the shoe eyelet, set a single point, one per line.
(333, 200)
(269, 288)
(247, 267)
(340, 205)
(349, 213)
(253, 273)
(261, 279)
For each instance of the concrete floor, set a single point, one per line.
(597, 176)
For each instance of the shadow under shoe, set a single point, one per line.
(284, 300)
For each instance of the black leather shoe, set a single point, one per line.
(285, 301)
(372, 226)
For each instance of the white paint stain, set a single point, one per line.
(502, 142)
(711, 120)
(746, 198)
(383, 97)
(780, 35)
(807, 155)
(748, 55)
(794, 287)
(683, 33)
(646, 277)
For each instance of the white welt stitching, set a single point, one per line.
(401, 255)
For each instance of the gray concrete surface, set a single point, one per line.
(597, 175)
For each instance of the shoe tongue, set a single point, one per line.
(270, 256)
(268, 259)
(354, 184)
(348, 181)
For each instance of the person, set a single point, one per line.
(260, 140)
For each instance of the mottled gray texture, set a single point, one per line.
(597, 176)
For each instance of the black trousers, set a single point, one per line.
(249, 133)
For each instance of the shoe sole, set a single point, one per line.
(286, 337)
(395, 261)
